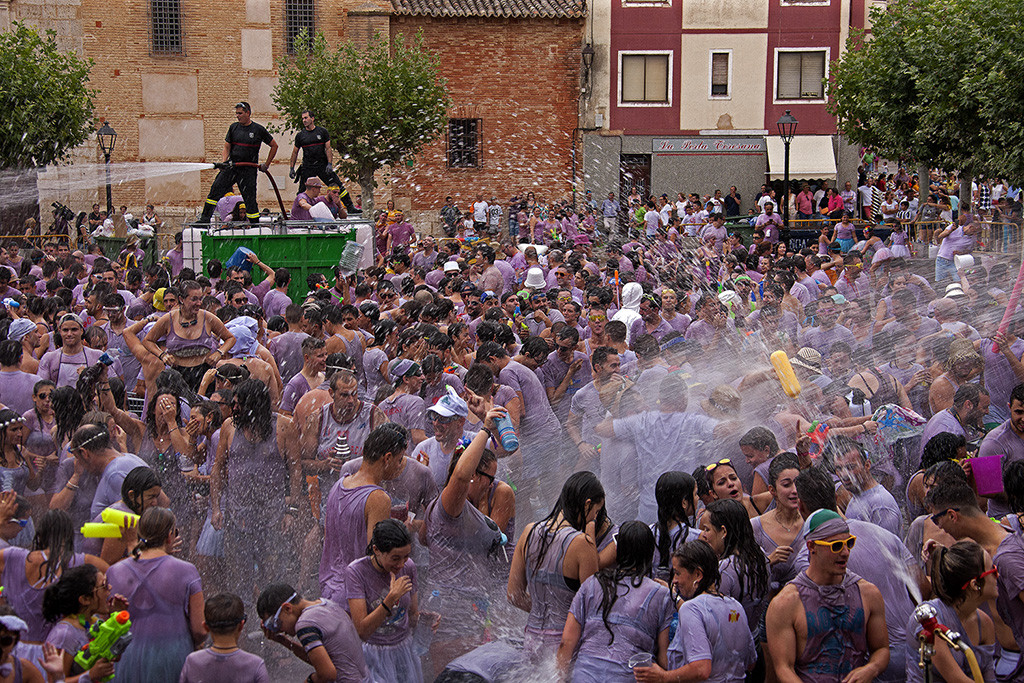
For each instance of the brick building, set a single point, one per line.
(513, 75)
(168, 73)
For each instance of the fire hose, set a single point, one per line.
(930, 628)
(225, 165)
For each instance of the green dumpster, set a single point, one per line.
(302, 254)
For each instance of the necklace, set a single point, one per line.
(185, 324)
(787, 528)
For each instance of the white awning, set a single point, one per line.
(810, 156)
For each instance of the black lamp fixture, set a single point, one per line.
(786, 124)
(588, 55)
(107, 137)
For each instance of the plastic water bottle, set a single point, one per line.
(507, 433)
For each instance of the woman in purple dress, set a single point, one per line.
(140, 491)
(166, 599)
(72, 605)
(742, 564)
(383, 602)
(257, 470)
(25, 575)
(460, 539)
(618, 614)
(552, 559)
(713, 641)
(780, 530)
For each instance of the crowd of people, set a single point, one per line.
(477, 460)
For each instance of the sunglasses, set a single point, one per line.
(273, 622)
(490, 479)
(939, 515)
(442, 419)
(20, 522)
(979, 577)
(43, 397)
(597, 318)
(723, 461)
(8, 640)
(837, 546)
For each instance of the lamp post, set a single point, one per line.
(107, 138)
(787, 129)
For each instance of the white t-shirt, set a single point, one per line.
(652, 219)
(681, 209)
(480, 212)
(666, 214)
(865, 192)
(765, 198)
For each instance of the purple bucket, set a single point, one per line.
(988, 474)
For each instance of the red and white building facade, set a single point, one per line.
(684, 95)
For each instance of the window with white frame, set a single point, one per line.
(645, 78)
(800, 74)
(720, 69)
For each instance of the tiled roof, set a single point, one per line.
(546, 9)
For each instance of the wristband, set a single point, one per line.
(385, 606)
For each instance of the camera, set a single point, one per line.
(61, 211)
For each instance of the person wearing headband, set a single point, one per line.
(828, 624)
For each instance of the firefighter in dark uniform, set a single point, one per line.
(241, 156)
(315, 143)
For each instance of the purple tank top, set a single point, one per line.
(372, 360)
(550, 596)
(459, 547)
(344, 536)
(355, 431)
(177, 345)
(27, 599)
(836, 629)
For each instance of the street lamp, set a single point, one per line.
(107, 137)
(787, 129)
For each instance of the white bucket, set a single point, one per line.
(962, 261)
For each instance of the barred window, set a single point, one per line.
(165, 27)
(464, 146)
(299, 15)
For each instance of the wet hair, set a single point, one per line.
(953, 493)
(942, 446)
(387, 438)
(155, 525)
(1013, 485)
(137, 482)
(701, 480)
(486, 458)
(781, 463)
(601, 354)
(672, 492)
(61, 599)
(571, 505)
(252, 408)
(232, 374)
(389, 534)
(695, 555)
(10, 351)
(740, 544)
(479, 379)
(635, 555)
(273, 596)
(954, 568)
(615, 331)
(762, 439)
(816, 490)
(381, 331)
(55, 534)
(68, 410)
(91, 436)
(223, 613)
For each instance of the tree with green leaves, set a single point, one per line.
(45, 98)
(381, 103)
(937, 81)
